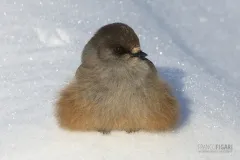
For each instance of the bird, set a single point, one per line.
(116, 88)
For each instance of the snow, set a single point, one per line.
(194, 44)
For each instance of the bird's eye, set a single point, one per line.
(120, 50)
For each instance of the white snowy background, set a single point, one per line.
(194, 44)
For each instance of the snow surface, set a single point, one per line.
(194, 44)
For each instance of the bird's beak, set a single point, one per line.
(137, 52)
(142, 54)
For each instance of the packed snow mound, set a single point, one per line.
(195, 46)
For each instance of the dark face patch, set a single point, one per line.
(119, 50)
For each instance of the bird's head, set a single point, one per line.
(115, 40)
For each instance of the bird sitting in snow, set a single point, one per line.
(116, 88)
